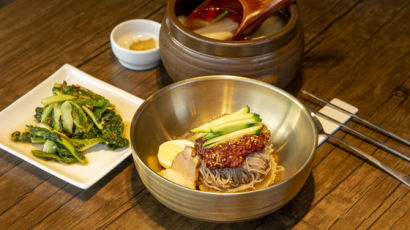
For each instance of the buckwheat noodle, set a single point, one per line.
(254, 170)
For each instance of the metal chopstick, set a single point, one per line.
(376, 127)
(362, 135)
(405, 179)
(393, 172)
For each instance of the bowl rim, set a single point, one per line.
(147, 21)
(223, 77)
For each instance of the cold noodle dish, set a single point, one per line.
(231, 153)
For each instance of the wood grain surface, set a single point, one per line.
(355, 50)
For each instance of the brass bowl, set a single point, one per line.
(172, 111)
(275, 58)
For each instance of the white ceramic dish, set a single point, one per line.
(101, 159)
(136, 29)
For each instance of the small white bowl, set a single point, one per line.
(127, 32)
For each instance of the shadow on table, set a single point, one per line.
(61, 184)
(295, 84)
(284, 218)
(163, 79)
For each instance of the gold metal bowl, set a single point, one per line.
(172, 111)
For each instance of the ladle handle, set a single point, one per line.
(255, 12)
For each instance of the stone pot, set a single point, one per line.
(275, 58)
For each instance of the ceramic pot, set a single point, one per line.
(275, 58)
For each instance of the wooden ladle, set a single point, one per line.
(251, 13)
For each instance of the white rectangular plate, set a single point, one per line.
(101, 160)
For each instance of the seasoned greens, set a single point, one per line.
(72, 120)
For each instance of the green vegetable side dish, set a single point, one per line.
(73, 120)
(228, 127)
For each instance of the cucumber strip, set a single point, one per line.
(206, 136)
(245, 109)
(234, 126)
(206, 128)
(211, 135)
(221, 139)
(199, 135)
(56, 98)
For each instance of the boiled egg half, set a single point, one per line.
(170, 149)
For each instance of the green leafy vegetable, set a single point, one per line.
(57, 117)
(73, 120)
(56, 98)
(46, 116)
(39, 113)
(67, 117)
(220, 16)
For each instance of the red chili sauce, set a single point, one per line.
(232, 153)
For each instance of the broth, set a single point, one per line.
(221, 24)
(271, 25)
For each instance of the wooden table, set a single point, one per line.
(356, 50)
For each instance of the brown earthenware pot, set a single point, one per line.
(274, 58)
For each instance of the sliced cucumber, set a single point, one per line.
(199, 135)
(245, 109)
(221, 139)
(234, 126)
(211, 135)
(240, 114)
(206, 128)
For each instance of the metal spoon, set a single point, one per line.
(405, 179)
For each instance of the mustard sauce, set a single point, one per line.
(141, 45)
